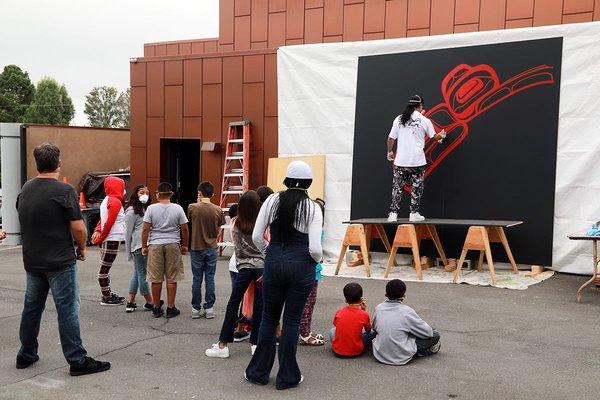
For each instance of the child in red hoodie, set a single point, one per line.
(109, 234)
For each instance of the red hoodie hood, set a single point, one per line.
(114, 187)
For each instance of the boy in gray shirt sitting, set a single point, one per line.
(401, 333)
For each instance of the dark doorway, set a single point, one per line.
(180, 166)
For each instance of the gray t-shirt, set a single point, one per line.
(165, 221)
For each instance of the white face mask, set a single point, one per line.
(144, 198)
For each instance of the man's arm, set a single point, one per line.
(185, 238)
(79, 232)
(145, 235)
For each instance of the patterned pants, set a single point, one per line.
(306, 319)
(415, 176)
(108, 253)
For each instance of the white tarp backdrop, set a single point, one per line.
(317, 96)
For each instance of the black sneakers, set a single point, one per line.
(172, 312)
(240, 336)
(157, 312)
(89, 366)
(150, 306)
(130, 307)
(112, 300)
(23, 363)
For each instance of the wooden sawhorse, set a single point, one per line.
(361, 235)
(409, 236)
(479, 238)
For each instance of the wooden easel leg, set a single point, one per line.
(384, 239)
(341, 258)
(488, 256)
(459, 264)
(415, 250)
(391, 261)
(364, 248)
(595, 273)
(504, 241)
(480, 262)
(438, 244)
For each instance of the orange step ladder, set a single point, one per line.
(236, 171)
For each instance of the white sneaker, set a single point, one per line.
(216, 352)
(196, 313)
(209, 313)
(415, 217)
(252, 349)
(393, 217)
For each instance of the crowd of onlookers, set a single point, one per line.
(275, 270)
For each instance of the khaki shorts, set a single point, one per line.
(164, 261)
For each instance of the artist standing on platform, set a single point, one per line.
(410, 129)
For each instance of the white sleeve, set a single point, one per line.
(395, 128)
(429, 130)
(262, 223)
(314, 234)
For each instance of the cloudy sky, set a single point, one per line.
(87, 43)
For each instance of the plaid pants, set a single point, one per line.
(108, 253)
(415, 176)
(306, 319)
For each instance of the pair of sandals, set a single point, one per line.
(312, 340)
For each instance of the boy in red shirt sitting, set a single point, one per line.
(352, 333)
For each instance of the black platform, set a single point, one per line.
(432, 221)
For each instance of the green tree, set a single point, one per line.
(107, 108)
(51, 104)
(16, 93)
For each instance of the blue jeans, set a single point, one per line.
(244, 278)
(204, 266)
(65, 292)
(138, 278)
(288, 278)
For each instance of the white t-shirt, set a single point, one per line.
(165, 221)
(411, 139)
(117, 232)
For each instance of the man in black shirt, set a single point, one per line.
(50, 220)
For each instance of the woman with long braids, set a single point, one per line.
(410, 129)
(295, 222)
(134, 222)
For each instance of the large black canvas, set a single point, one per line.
(503, 169)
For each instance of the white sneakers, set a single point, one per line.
(216, 352)
(208, 313)
(252, 349)
(415, 217)
(412, 217)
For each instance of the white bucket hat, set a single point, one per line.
(298, 170)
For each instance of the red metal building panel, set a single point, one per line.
(242, 7)
(211, 113)
(442, 17)
(313, 4)
(294, 19)
(395, 18)
(232, 86)
(277, 5)
(353, 22)
(156, 130)
(492, 15)
(138, 116)
(578, 6)
(212, 69)
(173, 72)
(156, 87)
(313, 28)
(271, 85)
(374, 16)
(253, 107)
(192, 127)
(418, 14)
(173, 111)
(276, 30)
(333, 17)
(466, 12)
(138, 165)
(137, 74)
(260, 11)
(185, 49)
(254, 68)
(548, 12)
(519, 9)
(242, 33)
(192, 87)
(226, 16)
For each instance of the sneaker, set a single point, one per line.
(23, 363)
(172, 312)
(393, 217)
(415, 217)
(252, 349)
(209, 313)
(216, 352)
(435, 348)
(89, 366)
(130, 307)
(150, 306)
(112, 300)
(240, 336)
(196, 313)
(157, 312)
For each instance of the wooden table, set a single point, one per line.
(409, 235)
(594, 240)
